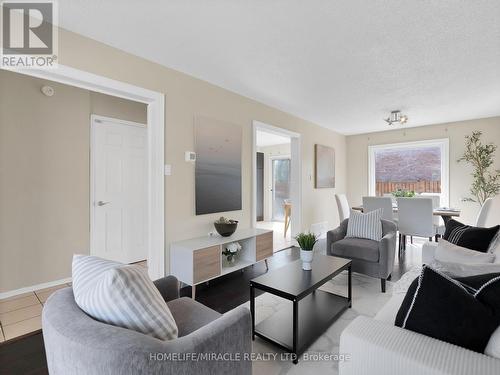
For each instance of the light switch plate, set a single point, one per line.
(168, 169)
(190, 156)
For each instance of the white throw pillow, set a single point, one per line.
(367, 225)
(465, 270)
(448, 252)
(493, 347)
(121, 295)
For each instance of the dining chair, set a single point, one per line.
(437, 221)
(375, 203)
(343, 206)
(415, 219)
(390, 195)
(394, 204)
(489, 215)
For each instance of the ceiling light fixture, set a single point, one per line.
(396, 117)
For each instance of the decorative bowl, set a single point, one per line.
(226, 229)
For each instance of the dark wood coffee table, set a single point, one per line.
(313, 310)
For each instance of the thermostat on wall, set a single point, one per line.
(168, 169)
(190, 156)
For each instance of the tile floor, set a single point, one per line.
(22, 314)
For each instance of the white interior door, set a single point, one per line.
(119, 190)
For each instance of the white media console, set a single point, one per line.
(199, 259)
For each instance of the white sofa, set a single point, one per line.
(377, 346)
(428, 251)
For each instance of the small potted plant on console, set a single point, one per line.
(306, 242)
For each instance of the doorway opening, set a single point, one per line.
(280, 186)
(79, 84)
(276, 176)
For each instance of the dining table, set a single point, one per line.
(445, 213)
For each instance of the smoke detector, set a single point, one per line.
(48, 91)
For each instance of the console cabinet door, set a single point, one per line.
(206, 263)
(264, 244)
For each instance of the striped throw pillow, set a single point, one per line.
(367, 225)
(121, 295)
(474, 238)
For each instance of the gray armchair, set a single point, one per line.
(77, 344)
(372, 258)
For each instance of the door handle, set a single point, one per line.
(102, 203)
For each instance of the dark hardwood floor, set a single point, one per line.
(229, 291)
(23, 356)
(27, 355)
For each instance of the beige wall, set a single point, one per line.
(111, 106)
(44, 176)
(185, 97)
(460, 178)
(269, 152)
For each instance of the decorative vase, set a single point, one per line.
(231, 254)
(306, 256)
(229, 262)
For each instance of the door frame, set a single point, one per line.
(271, 179)
(155, 102)
(99, 118)
(296, 173)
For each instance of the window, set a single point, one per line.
(420, 166)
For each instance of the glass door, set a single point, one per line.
(280, 187)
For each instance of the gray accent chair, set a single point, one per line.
(372, 258)
(75, 343)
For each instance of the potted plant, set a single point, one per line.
(485, 178)
(401, 193)
(306, 242)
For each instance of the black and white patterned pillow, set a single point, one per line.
(121, 295)
(474, 238)
(464, 312)
(367, 225)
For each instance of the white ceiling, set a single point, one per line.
(341, 64)
(270, 139)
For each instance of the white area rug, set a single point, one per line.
(367, 300)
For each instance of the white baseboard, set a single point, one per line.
(32, 288)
